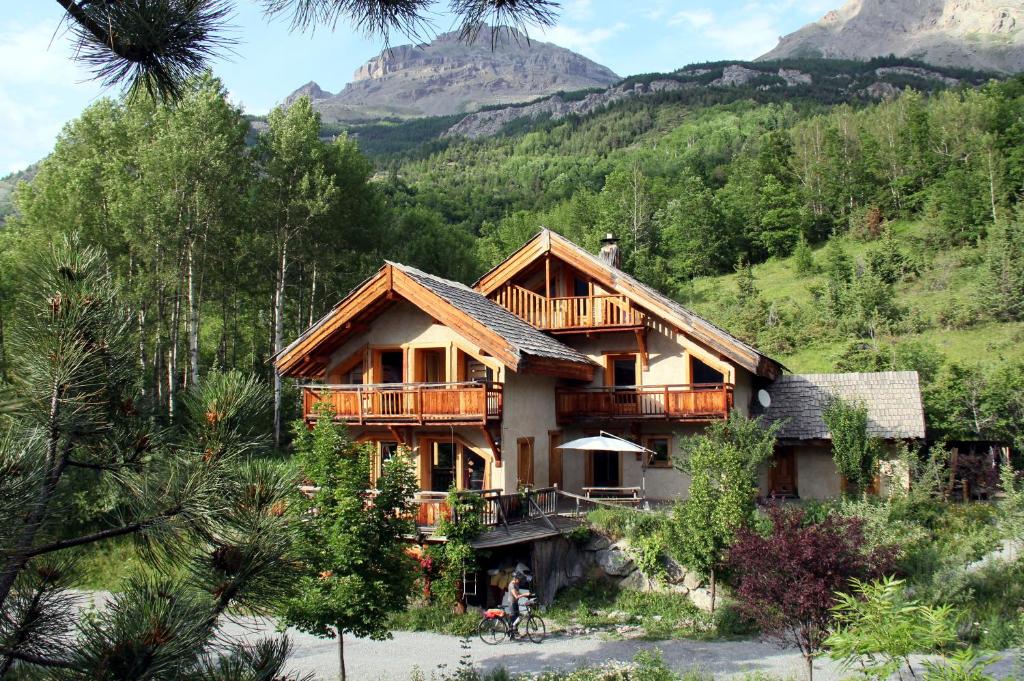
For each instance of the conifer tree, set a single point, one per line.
(195, 497)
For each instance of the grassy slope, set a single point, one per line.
(948, 275)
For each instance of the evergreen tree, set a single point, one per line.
(195, 497)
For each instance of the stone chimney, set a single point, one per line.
(609, 253)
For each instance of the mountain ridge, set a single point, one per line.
(981, 34)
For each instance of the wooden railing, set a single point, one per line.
(406, 403)
(697, 401)
(497, 510)
(569, 313)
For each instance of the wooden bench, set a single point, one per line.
(627, 496)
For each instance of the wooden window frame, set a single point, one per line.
(609, 367)
(375, 354)
(691, 357)
(646, 442)
(425, 449)
(418, 364)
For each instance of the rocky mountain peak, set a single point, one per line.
(311, 90)
(979, 34)
(450, 75)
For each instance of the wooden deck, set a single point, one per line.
(572, 313)
(688, 402)
(407, 403)
(522, 533)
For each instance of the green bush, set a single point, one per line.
(600, 605)
(435, 617)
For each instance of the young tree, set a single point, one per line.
(877, 628)
(854, 450)
(787, 581)
(196, 497)
(722, 464)
(356, 569)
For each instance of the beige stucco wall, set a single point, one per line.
(529, 412)
(409, 327)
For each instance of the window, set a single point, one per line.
(353, 376)
(442, 469)
(702, 373)
(386, 451)
(662, 448)
(580, 287)
(392, 366)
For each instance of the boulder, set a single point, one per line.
(614, 562)
(701, 598)
(596, 542)
(638, 581)
(692, 581)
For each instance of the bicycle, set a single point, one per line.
(496, 625)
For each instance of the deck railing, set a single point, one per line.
(497, 510)
(695, 401)
(406, 403)
(571, 312)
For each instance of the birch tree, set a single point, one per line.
(295, 191)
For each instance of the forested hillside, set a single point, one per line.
(880, 234)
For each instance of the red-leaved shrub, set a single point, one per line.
(786, 581)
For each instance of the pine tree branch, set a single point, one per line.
(35, 659)
(104, 534)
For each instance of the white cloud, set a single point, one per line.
(584, 41)
(577, 10)
(698, 18)
(747, 38)
(40, 90)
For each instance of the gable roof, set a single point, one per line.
(892, 398)
(516, 344)
(668, 310)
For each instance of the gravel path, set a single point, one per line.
(395, 659)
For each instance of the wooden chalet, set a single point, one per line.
(483, 383)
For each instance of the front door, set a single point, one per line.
(604, 467)
(782, 474)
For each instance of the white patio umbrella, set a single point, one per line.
(607, 442)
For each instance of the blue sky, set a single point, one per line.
(41, 88)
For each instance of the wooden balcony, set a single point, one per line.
(407, 403)
(693, 402)
(570, 314)
(497, 510)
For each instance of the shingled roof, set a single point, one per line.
(892, 398)
(481, 321)
(522, 338)
(641, 294)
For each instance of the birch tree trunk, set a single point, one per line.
(282, 270)
(172, 353)
(193, 318)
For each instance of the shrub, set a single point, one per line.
(787, 581)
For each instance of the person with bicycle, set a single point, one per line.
(516, 590)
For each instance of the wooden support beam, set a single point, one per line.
(641, 344)
(495, 449)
